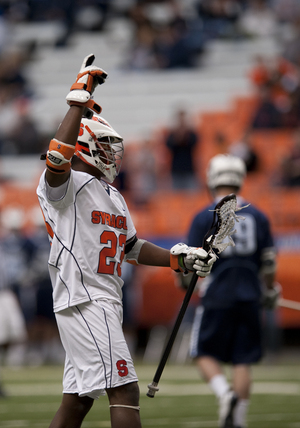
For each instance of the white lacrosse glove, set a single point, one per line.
(271, 296)
(200, 260)
(88, 78)
(189, 259)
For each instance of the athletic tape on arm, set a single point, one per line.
(59, 155)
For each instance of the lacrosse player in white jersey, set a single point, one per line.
(91, 234)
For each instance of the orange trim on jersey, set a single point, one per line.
(49, 229)
(132, 262)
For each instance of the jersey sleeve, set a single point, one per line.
(63, 196)
(59, 197)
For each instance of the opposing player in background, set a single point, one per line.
(227, 326)
(91, 233)
(13, 332)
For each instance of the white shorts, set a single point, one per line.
(13, 329)
(97, 355)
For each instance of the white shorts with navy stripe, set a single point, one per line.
(97, 356)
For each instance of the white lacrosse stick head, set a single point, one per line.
(223, 223)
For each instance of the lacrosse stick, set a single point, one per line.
(221, 228)
(290, 304)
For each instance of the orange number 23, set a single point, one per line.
(105, 266)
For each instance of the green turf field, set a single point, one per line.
(183, 401)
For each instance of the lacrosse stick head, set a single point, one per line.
(222, 225)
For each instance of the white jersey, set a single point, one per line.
(88, 227)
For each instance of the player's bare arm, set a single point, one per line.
(180, 258)
(152, 255)
(62, 146)
(67, 133)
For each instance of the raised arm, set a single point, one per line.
(62, 146)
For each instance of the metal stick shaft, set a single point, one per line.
(153, 386)
(290, 304)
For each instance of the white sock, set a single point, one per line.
(240, 413)
(219, 385)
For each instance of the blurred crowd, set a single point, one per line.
(164, 35)
(24, 275)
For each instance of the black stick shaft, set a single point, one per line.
(153, 387)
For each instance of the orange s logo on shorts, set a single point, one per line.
(122, 368)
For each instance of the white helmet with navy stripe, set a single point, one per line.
(101, 146)
(225, 170)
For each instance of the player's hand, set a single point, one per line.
(199, 260)
(193, 259)
(88, 78)
(271, 296)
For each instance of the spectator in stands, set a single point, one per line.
(259, 74)
(15, 92)
(176, 44)
(243, 149)
(13, 333)
(141, 176)
(290, 167)
(17, 141)
(141, 51)
(173, 48)
(13, 83)
(142, 55)
(221, 142)
(18, 249)
(278, 84)
(287, 11)
(291, 45)
(181, 141)
(267, 115)
(219, 17)
(258, 19)
(43, 344)
(166, 43)
(5, 30)
(13, 330)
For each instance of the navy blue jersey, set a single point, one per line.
(235, 274)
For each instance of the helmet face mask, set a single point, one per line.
(99, 145)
